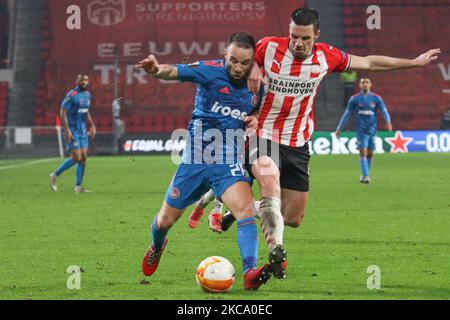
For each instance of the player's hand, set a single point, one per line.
(337, 134)
(92, 132)
(251, 125)
(427, 57)
(389, 126)
(251, 122)
(149, 64)
(255, 79)
(68, 136)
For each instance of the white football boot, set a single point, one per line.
(53, 184)
(80, 189)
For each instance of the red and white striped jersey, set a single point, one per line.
(287, 115)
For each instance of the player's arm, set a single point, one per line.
(92, 130)
(255, 78)
(385, 63)
(386, 116)
(65, 105)
(159, 71)
(67, 133)
(344, 118)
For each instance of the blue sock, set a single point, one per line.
(369, 162)
(248, 243)
(158, 235)
(64, 166)
(364, 166)
(80, 173)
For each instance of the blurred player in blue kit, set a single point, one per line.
(365, 104)
(222, 103)
(75, 117)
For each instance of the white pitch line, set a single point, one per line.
(30, 163)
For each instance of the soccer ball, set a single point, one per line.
(215, 275)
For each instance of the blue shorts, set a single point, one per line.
(366, 141)
(79, 141)
(191, 181)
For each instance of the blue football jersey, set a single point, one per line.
(366, 108)
(77, 103)
(217, 129)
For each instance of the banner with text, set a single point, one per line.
(323, 143)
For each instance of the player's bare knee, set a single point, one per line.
(76, 158)
(293, 222)
(165, 222)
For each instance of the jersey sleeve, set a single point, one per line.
(338, 60)
(68, 99)
(260, 51)
(260, 98)
(346, 115)
(383, 109)
(198, 72)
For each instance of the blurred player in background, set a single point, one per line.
(222, 102)
(75, 117)
(365, 104)
(294, 67)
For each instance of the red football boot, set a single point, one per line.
(215, 222)
(254, 278)
(151, 260)
(197, 213)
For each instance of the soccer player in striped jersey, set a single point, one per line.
(365, 104)
(293, 68)
(76, 117)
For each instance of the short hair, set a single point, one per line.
(306, 17)
(82, 75)
(364, 78)
(242, 40)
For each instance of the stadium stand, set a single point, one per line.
(411, 106)
(44, 115)
(165, 107)
(3, 32)
(3, 102)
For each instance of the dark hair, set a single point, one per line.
(242, 40)
(365, 77)
(82, 75)
(306, 17)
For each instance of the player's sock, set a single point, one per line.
(256, 205)
(369, 163)
(364, 166)
(218, 206)
(207, 198)
(158, 235)
(64, 166)
(272, 223)
(80, 173)
(248, 243)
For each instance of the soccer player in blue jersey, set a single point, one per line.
(365, 104)
(213, 157)
(76, 117)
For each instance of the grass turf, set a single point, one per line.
(400, 223)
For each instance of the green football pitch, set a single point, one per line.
(400, 223)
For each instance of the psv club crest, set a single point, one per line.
(106, 13)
